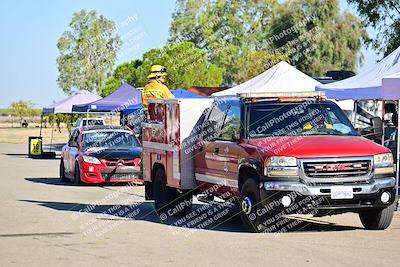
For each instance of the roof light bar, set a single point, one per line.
(281, 94)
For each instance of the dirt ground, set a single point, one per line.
(20, 135)
(45, 222)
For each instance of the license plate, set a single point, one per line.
(341, 192)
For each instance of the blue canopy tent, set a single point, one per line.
(181, 93)
(126, 95)
(178, 93)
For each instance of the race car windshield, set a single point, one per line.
(297, 119)
(107, 139)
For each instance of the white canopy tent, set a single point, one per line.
(280, 78)
(368, 84)
(378, 82)
(65, 105)
(391, 86)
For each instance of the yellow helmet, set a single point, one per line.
(157, 70)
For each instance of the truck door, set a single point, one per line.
(206, 166)
(216, 163)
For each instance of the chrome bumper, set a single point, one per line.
(306, 190)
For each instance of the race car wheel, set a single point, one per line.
(63, 178)
(77, 175)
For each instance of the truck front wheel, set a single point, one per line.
(249, 201)
(377, 219)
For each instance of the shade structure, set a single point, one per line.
(126, 95)
(65, 105)
(178, 93)
(181, 93)
(280, 78)
(391, 86)
(368, 84)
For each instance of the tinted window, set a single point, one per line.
(281, 119)
(216, 118)
(218, 111)
(231, 126)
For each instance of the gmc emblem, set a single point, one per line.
(334, 167)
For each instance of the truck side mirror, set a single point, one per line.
(377, 127)
(72, 144)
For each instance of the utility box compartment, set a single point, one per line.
(169, 139)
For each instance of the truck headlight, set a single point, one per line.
(383, 163)
(91, 160)
(277, 166)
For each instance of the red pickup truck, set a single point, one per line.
(276, 154)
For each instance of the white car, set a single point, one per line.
(81, 122)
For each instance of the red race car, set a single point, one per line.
(101, 154)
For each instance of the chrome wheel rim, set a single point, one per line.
(247, 205)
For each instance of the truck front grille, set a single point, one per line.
(337, 169)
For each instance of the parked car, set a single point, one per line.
(272, 154)
(82, 122)
(101, 154)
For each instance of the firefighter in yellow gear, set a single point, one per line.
(155, 88)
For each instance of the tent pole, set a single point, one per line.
(383, 119)
(51, 139)
(41, 122)
(354, 119)
(397, 155)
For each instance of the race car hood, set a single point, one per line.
(114, 153)
(320, 146)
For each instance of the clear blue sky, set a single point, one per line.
(30, 30)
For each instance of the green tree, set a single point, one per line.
(383, 15)
(111, 85)
(125, 72)
(257, 62)
(21, 109)
(316, 37)
(228, 30)
(312, 33)
(88, 51)
(186, 66)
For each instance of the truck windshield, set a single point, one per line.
(106, 139)
(295, 119)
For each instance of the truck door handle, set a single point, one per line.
(216, 150)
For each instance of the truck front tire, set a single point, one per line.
(249, 201)
(377, 219)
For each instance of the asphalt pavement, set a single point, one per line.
(44, 222)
